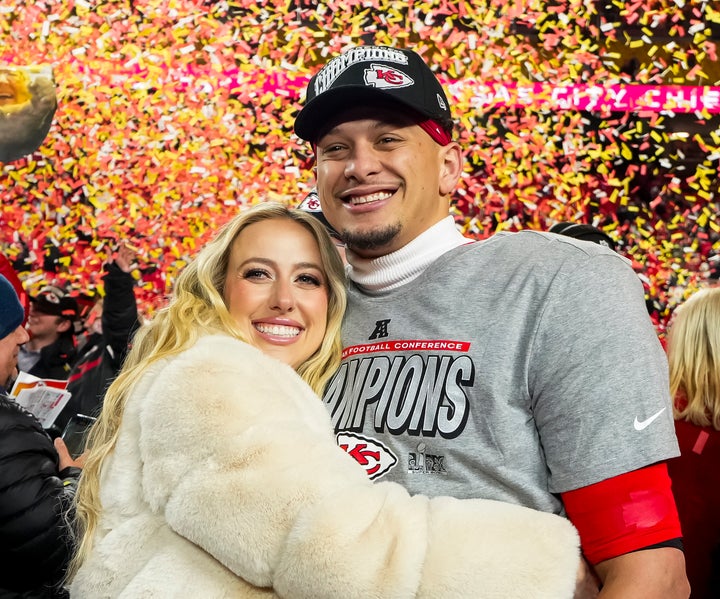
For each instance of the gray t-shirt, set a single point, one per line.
(27, 358)
(513, 369)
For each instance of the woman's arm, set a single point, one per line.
(239, 455)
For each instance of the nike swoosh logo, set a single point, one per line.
(641, 425)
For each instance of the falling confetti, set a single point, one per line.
(174, 114)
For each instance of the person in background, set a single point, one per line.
(583, 232)
(311, 205)
(213, 471)
(8, 271)
(51, 350)
(523, 368)
(694, 357)
(37, 481)
(114, 320)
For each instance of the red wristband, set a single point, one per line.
(624, 513)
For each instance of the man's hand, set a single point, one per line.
(66, 459)
(646, 574)
(125, 258)
(587, 585)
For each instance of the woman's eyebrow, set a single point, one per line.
(272, 263)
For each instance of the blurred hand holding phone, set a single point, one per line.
(75, 433)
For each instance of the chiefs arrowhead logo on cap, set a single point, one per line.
(385, 77)
(311, 203)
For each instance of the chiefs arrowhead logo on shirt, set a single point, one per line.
(385, 77)
(369, 453)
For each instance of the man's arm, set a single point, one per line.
(120, 315)
(647, 574)
(630, 531)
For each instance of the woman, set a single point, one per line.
(213, 471)
(694, 357)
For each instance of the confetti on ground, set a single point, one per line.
(173, 114)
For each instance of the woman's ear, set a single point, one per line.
(451, 167)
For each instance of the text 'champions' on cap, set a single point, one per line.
(367, 74)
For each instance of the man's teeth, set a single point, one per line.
(373, 197)
(278, 330)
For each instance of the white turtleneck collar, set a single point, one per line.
(376, 275)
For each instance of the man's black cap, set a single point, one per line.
(365, 75)
(55, 301)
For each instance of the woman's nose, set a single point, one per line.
(283, 298)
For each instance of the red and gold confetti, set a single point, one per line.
(173, 114)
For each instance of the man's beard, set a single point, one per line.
(371, 240)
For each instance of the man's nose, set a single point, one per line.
(22, 335)
(363, 162)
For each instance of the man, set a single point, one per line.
(37, 481)
(311, 205)
(99, 360)
(584, 232)
(51, 351)
(523, 368)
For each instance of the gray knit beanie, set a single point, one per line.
(12, 313)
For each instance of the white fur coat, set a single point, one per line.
(226, 482)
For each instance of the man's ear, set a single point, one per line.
(451, 167)
(64, 325)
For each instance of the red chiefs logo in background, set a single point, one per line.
(385, 77)
(369, 453)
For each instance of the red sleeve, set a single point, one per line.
(624, 513)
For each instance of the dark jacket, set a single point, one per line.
(102, 356)
(56, 359)
(35, 543)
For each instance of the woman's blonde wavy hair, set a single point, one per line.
(694, 358)
(197, 308)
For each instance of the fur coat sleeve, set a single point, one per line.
(239, 457)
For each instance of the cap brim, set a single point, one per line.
(318, 114)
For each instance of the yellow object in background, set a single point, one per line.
(27, 104)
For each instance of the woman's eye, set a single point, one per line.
(310, 280)
(255, 273)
